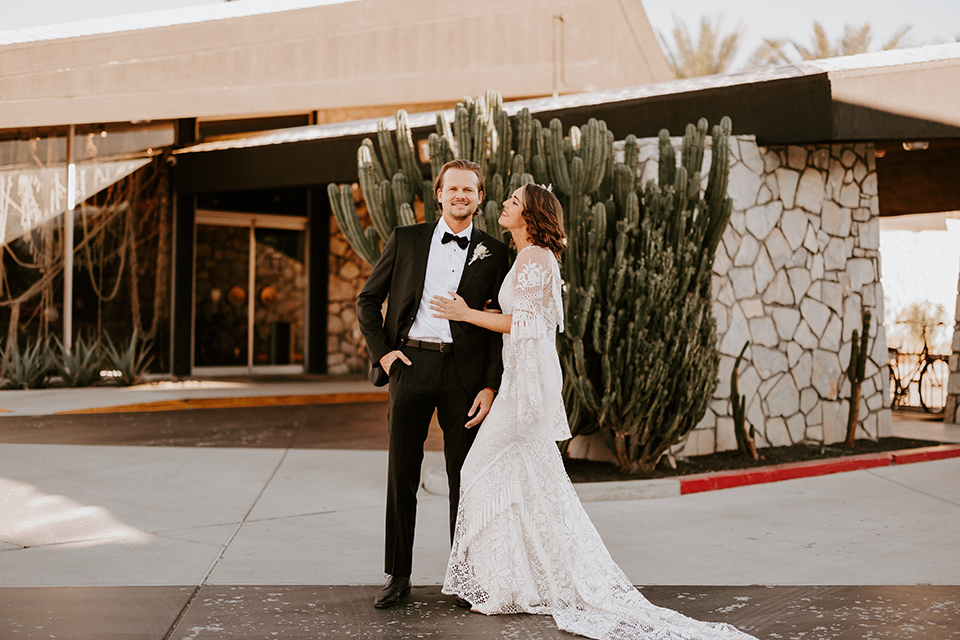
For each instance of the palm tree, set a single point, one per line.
(770, 53)
(854, 40)
(714, 49)
(712, 53)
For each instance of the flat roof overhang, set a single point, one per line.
(884, 98)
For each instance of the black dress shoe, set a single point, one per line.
(396, 588)
(460, 602)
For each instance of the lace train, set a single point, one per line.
(523, 542)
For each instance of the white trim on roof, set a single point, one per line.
(155, 19)
(861, 62)
(889, 58)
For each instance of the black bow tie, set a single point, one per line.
(462, 241)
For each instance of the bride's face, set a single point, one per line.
(512, 216)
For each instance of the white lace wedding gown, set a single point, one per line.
(523, 543)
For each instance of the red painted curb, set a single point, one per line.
(925, 454)
(740, 478)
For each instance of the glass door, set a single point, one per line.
(250, 294)
(221, 309)
(280, 289)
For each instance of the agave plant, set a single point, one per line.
(29, 368)
(79, 365)
(132, 362)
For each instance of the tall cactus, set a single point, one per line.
(640, 354)
(856, 373)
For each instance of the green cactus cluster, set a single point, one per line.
(639, 351)
(856, 374)
(639, 355)
(389, 183)
(391, 180)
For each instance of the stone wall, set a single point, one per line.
(797, 263)
(952, 412)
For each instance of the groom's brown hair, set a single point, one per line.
(464, 165)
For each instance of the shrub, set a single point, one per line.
(132, 362)
(28, 368)
(80, 365)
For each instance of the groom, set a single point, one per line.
(431, 364)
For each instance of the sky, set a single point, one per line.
(920, 266)
(929, 20)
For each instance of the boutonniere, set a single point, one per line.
(479, 253)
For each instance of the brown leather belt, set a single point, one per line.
(424, 345)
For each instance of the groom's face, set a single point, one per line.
(460, 195)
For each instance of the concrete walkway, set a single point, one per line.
(285, 542)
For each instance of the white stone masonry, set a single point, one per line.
(797, 264)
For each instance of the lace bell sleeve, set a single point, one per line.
(537, 379)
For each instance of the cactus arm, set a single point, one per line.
(387, 149)
(406, 216)
(668, 160)
(349, 222)
(431, 208)
(409, 162)
(461, 131)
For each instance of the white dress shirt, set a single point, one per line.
(445, 264)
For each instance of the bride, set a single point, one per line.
(523, 542)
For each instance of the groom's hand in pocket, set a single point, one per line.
(480, 408)
(387, 361)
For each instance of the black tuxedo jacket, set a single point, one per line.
(400, 273)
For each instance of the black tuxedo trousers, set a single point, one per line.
(446, 383)
(416, 390)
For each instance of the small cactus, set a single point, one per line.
(744, 432)
(856, 373)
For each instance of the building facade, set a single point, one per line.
(238, 267)
(153, 181)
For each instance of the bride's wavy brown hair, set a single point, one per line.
(544, 217)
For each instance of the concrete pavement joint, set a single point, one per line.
(47, 545)
(161, 532)
(291, 516)
(198, 542)
(223, 550)
(914, 489)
